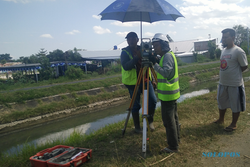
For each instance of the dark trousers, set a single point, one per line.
(151, 101)
(171, 123)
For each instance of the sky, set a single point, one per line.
(27, 26)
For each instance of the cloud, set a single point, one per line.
(100, 30)
(149, 34)
(72, 32)
(211, 14)
(122, 34)
(96, 17)
(231, 1)
(46, 36)
(126, 24)
(171, 32)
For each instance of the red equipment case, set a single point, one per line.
(82, 155)
(38, 161)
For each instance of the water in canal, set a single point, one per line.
(84, 123)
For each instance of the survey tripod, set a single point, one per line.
(146, 65)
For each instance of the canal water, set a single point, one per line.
(84, 123)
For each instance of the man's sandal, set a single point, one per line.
(230, 129)
(167, 150)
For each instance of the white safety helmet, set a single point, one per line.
(159, 36)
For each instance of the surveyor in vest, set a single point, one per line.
(167, 88)
(131, 65)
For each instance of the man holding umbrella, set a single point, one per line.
(131, 65)
(168, 89)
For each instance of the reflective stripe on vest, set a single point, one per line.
(129, 77)
(168, 90)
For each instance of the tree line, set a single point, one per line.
(56, 55)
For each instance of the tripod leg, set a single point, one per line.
(132, 100)
(154, 74)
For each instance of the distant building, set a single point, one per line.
(183, 49)
(10, 64)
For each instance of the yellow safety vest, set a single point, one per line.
(168, 90)
(130, 77)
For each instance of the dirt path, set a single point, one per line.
(234, 142)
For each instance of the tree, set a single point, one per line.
(33, 59)
(56, 55)
(217, 53)
(241, 34)
(25, 60)
(73, 56)
(195, 54)
(42, 53)
(211, 49)
(3, 61)
(46, 71)
(5, 57)
(244, 46)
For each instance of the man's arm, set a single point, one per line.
(242, 59)
(168, 69)
(126, 62)
(243, 68)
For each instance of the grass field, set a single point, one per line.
(111, 149)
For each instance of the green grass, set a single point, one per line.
(111, 149)
(61, 79)
(206, 76)
(198, 67)
(67, 103)
(75, 100)
(21, 95)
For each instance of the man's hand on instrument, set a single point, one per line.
(138, 53)
(154, 59)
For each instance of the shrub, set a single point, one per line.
(74, 72)
(95, 74)
(116, 68)
(180, 62)
(46, 71)
(19, 77)
(9, 81)
(217, 53)
(201, 58)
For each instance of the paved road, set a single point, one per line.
(96, 79)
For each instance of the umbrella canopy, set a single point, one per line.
(140, 10)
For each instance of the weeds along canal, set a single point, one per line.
(84, 123)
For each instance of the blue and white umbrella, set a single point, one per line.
(140, 10)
